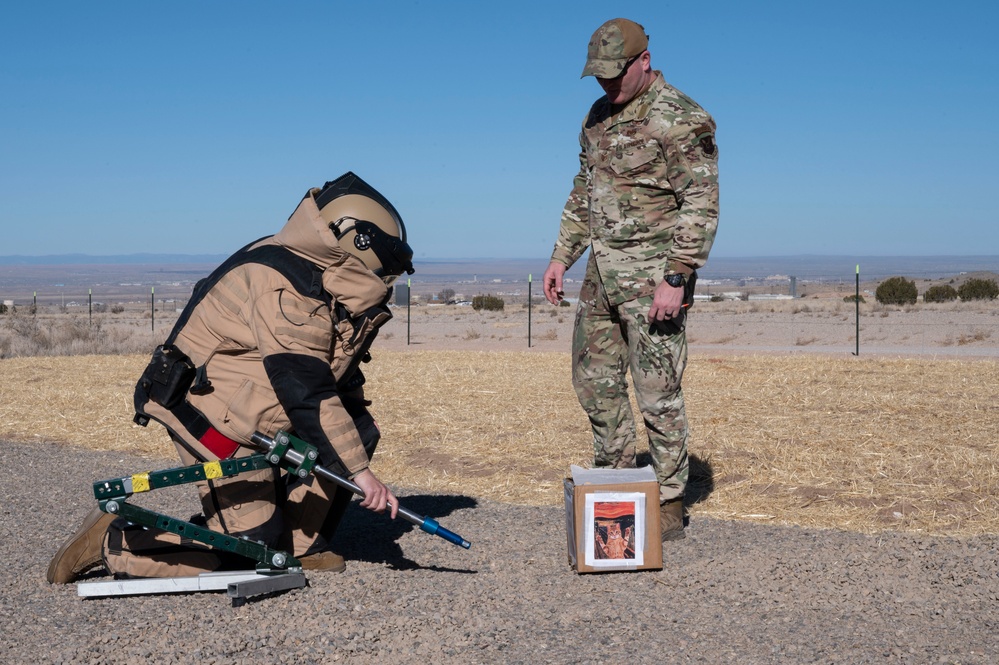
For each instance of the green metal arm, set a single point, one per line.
(112, 496)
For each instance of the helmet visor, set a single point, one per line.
(395, 254)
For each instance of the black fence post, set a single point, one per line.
(856, 300)
(90, 306)
(409, 307)
(529, 308)
(152, 308)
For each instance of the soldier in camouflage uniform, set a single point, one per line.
(646, 202)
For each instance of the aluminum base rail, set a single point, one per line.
(239, 584)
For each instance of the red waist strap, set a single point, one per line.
(221, 446)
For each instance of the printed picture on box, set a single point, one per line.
(614, 529)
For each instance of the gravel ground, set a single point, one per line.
(731, 592)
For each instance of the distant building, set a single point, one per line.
(401, 294)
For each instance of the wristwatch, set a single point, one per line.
(676, 279)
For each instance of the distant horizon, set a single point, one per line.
(805, 267)
(148, 257)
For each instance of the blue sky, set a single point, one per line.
(849, 128)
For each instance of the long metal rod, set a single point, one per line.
(427, 524)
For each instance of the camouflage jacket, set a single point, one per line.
(646, 196)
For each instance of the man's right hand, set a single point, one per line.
(377, 496)
(552, 282)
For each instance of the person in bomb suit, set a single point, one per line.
(645, 202)
(270, 341)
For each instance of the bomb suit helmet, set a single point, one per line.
(366, 225)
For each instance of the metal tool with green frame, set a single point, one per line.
(112, 498)
(275, 570)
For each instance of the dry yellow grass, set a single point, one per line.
(863, 444)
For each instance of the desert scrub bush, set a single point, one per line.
(26, 336)
(854, 298)
(896, 291)
(117, 309)
(940, 293)
(3, 308)
(564, 303)
(978, 289)
(975, 336)
(489, 303)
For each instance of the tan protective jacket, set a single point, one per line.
(274, 355)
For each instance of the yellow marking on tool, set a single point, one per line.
(140, 482)
(213, 470)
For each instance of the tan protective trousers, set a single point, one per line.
(291, 514)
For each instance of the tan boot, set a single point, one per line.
(325, 561)
(82, 551)
(671, 520)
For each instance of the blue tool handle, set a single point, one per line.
(433, 527)
(427, 524)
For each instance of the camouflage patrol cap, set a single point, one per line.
(612, 45)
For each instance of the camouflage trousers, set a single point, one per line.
(608, 342)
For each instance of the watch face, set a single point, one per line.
(675, 280)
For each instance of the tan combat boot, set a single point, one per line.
(324, 561)
(671, 520)
(82, 551)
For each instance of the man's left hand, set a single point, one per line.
(666, 303)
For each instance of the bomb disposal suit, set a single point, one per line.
(271, 341)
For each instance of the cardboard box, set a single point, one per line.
(612, 520)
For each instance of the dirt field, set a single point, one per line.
(822, 324)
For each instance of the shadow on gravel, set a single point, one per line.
(367, 536)
(700, 482)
